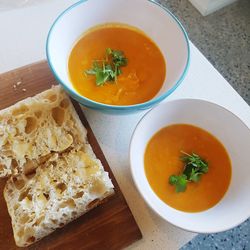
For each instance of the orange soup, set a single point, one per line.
(162, 159)
(140, 80)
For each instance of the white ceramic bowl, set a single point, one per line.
(157, 22)
(234, 207)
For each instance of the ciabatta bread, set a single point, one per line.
(33, 128)
(54, 176)
(62, 189)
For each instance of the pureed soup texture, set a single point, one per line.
(116, 64)
(187, 167)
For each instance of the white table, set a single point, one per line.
(23, 35)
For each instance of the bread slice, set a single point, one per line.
(33, 128)
(63, 188)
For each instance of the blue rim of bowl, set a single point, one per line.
(90, 103)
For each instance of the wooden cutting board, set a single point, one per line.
(110, 226)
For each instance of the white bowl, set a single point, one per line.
(157, 22)
(234, 207)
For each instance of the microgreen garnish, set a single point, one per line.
(109, 69)
(194, 168)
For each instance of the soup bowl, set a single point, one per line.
(155, 21)
(233, 208)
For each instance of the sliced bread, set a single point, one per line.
(34, 128)
(63, 188)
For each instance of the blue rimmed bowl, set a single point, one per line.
(157, 22)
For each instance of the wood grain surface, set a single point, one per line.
(110, 226)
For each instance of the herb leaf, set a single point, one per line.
(179, 181)
(118, 56)
(194, 168)
(196, 161)
(195, 176)
(109, 69)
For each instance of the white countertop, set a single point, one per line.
(23, 35)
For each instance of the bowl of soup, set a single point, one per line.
(118, 56)
(189, 159)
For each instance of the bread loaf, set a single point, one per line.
(62, 189)
(33, 128)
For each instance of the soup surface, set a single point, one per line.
(139, 81)
(162, 159)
